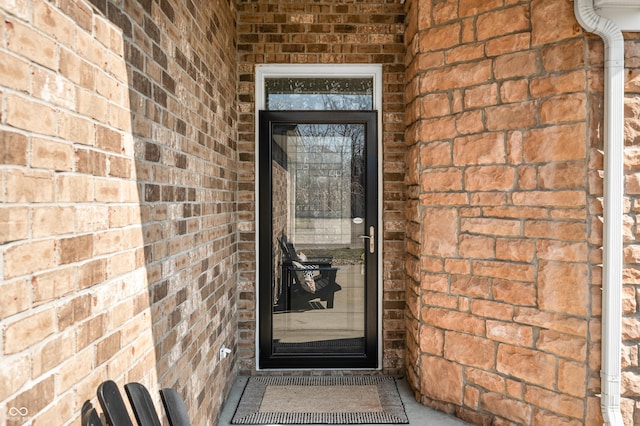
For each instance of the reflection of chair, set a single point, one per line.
(312, 282)
(290, 254)
(305, 279)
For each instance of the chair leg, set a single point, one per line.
(330, 297)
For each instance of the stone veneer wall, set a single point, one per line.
(334, 32)
(504, 105)
(118, 202)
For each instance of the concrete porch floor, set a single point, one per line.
(418, 414)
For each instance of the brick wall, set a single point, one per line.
(121, 198)
(503, 302)
(118, 190)
(325, 31)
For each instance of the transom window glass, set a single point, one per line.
(319, 94)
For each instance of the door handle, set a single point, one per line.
(372, 239)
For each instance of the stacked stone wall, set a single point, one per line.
(117, 203)
(504, 174)
(325, 32)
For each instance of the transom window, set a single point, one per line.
(319, 94)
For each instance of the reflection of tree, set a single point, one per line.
(319, 192)
(325, 153)
(319, 94)
(340, 102)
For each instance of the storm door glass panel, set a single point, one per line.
(319, 94)
(321, 307)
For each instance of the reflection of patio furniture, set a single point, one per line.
(290, 254)
(305, 279)
(312, 282)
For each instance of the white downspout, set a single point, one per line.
(613, 205)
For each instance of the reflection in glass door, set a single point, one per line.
(318, 218)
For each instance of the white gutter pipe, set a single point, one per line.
(613, 205)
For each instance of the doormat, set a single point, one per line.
(301, 400)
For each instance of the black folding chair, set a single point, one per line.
(175, 408)
(113, 405)
(142, 404)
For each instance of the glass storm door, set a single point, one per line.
(318, 239)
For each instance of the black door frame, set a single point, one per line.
(266, 358)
